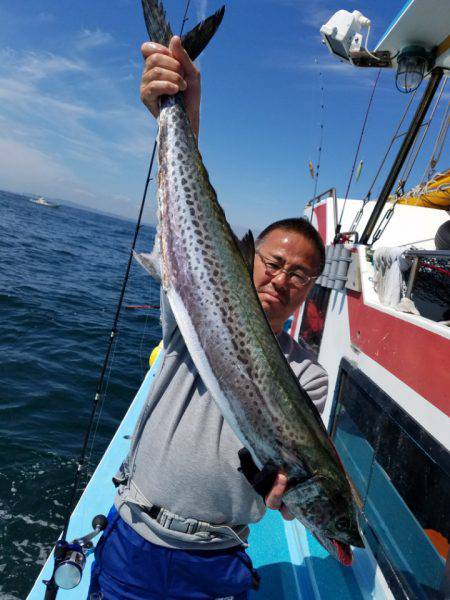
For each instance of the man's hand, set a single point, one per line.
(274, 497)
(168, 71)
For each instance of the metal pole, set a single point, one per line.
(412, 277)
(408, 141)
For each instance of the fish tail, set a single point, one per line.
(158, 28)
(193, 42)
(198, 38)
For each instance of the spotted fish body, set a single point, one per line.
(211, 293)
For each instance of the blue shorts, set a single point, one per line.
(128, 567)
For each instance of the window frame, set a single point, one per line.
(400, 588)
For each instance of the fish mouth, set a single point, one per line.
(343, 552)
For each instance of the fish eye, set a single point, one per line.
(342, 523)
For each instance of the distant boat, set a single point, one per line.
(43, 202)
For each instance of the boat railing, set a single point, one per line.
(330, 192)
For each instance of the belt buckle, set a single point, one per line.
(180, 525)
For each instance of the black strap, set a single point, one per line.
(119, 481)
(262, 480)
(152, 512)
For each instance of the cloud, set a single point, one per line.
(88, 39)
(35, 169)
(33, 66)
(313, 14)
(72, 124)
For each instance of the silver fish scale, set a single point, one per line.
(222, 304)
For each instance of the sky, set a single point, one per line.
(72, 125)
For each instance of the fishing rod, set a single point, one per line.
(70, 557)
(69, 561)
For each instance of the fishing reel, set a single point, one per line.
(70, 557)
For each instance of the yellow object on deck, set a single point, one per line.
(432, 194)
(155, 353)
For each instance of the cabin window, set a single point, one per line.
(403, 477)
(313, 319)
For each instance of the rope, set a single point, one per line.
(439, 145)
(338, 226)
(367, 197)
(408, 168)
(394, 137)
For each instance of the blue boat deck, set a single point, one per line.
(290, 562)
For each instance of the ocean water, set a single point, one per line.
(61, 270)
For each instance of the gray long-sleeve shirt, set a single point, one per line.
(184, 455)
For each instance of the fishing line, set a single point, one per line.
(319, 151)
(374, 87)
(185, 17)
(147, 316)
(321, 125)
(99, 413)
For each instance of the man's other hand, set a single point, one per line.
(168, 71)
(274, 497)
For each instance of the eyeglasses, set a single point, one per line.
(297, 278)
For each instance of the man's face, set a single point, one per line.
(279, 295)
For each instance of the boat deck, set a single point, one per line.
(289, 560)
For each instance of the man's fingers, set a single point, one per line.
(274, 497)
(163, 75)
(153, 90)
(149, 48)
(181, 55)
(163, 61)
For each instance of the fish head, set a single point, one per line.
(325, 506)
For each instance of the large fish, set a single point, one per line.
(209, 286)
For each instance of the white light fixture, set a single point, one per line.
(343, 34)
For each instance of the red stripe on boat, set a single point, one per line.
(416, 356)
(321, 214)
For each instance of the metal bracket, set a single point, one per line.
(354, 274)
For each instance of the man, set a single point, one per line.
(179, 526)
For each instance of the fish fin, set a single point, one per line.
(150, 262)
(247, 248)
(196, 40)
(155, 20)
